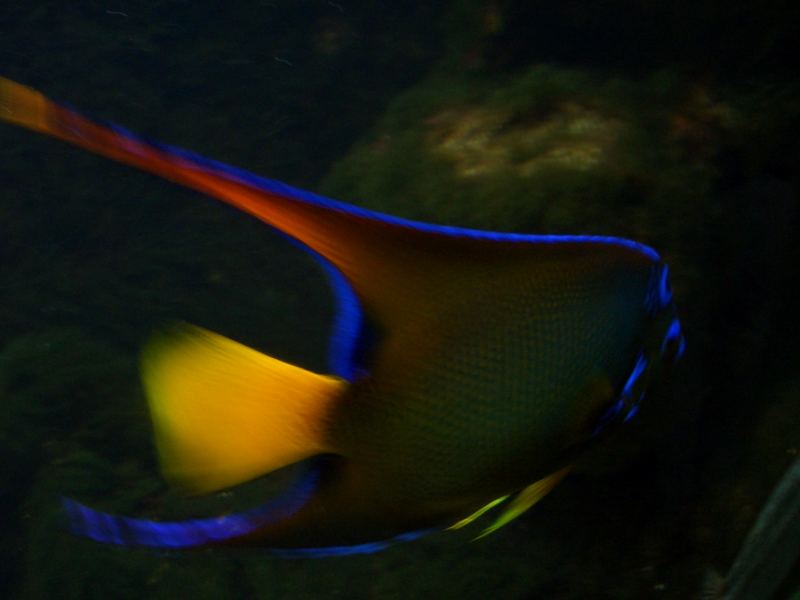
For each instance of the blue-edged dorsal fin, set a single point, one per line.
(396, 267)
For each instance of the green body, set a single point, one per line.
(502, 387)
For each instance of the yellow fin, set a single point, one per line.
(224, 413)
(525, 499)
(467, 520)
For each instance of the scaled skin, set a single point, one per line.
(493, 359)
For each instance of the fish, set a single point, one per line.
(468, 370)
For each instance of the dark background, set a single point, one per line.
(94, 256)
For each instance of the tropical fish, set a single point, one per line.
(468, 369)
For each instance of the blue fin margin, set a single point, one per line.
(283, 189)
(127, 531)
(195, 533)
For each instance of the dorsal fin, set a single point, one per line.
(395, 266)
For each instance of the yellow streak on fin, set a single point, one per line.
(525, 499)
(476, 514)
(224, 413)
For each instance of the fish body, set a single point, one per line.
(486, 411)
(466, 366)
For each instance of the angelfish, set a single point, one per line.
(469, 369)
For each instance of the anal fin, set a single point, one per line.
(525, 499)
(478, 513)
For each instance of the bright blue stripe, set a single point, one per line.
(283, 189)
(633, 379)
(681, 348)
(348, 317)
(664, 289)
(673, 333)
(349, 320)
(631, 413)
(347, 323)
(125, 531)
(627, 390)
(625, 398)
(329, 551)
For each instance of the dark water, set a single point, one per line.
(671, 123)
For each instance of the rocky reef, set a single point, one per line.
(676, 126)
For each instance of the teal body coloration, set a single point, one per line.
(529, 366)
(505, 379)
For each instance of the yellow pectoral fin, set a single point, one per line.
(478, 513)
(525, 499)
(224, 413)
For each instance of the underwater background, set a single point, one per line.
(674, 124)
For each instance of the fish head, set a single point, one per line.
(661, 346)
(664, 339)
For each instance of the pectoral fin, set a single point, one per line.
(224, 413)
(525, 499)
(478, 513)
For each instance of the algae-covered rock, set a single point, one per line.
(667, 124)
(700, 171)
(549, 150)
(60, 390)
